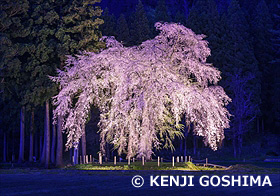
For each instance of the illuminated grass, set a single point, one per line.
(138, 166)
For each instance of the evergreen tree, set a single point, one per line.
(14, 28)
(140, 30)
(241, 72)
(161, 13)
(275, 94)
(204, 19)
(78, 31)
(79, 27)
(261, 25)
(59, 28)
(42, 61)
(123, 30)
(109, 26)
(222, 5)
(180, 18)
(238, 40)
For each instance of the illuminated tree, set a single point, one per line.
(143, 91)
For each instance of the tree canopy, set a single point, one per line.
(143, 91)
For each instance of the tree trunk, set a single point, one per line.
(21, 144)
(53, 144)
(41, 146)
(71, 155)
(187, 128)
(31, 136)
(181, 145)
(239, 138)
(13, 146)
(47, 130)
(240, 141)
(234, 146)
(108, 151)
(262, 126)
(185, 147)
(5, 148)
(36, 146)
(194, 144)
(59, 145)
(84, 144)
(258, 125)
(76, 155)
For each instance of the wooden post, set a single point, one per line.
(173, 161)
(100, 159)
(128, 161)
(90, 158)
(86, 159)
(190, 159)
(206, 161)
(73, 160)
(143, 160)
(81, 161)
(115, 160)
(182, 159)
(186, 158)
(158, 162)
(178, 160)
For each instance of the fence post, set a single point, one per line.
(128, 161)
(86, 159)
(178, 160)
(115, 160)
(189, 158)
(158, 162)
(90, 158)
(143, 160)
(81, 161)
(73, 162)
(206, 161)
(186, 158)
(172, 161)
(100, 158)
(182, 159)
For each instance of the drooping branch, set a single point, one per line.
(143, 91)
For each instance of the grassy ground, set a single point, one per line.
(184, 167)
(148, 166)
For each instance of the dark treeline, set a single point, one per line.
(35, 36)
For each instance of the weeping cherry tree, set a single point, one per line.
(143, 92)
